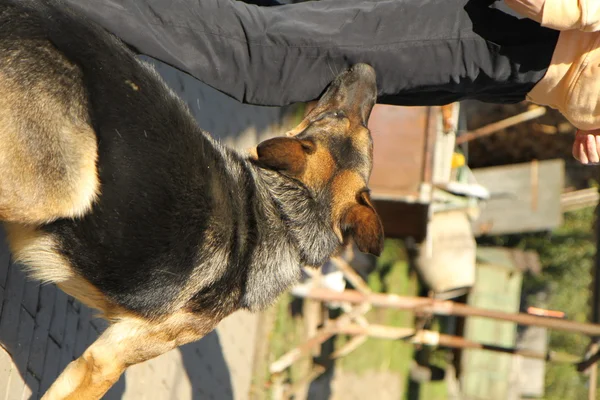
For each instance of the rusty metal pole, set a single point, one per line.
(432, 338)
(445, 307)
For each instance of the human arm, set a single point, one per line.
(561, 15)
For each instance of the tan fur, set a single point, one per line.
(319, 169)
(49, 151)
(344, 188)
(361, 138)
(33, 247)
(129, 341)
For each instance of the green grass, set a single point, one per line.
(567, 256)
(391, 276)
(288, 332)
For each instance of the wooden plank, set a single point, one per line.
(578, 199)
(487, 374)
(30, 297)
(100, 324)
(93, 334)
(32, 386)
(1, 300)
(4, 257)
(51, 364)
(20, 355)
(533, 338)
(399, 138)
(76, 304)
(59, 317)
(11, 309)
(43, 317)
(500, 125)
(6, 368)
(68, 346)
(523, 198)
(401, 220)
(83, 327)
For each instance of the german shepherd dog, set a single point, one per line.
(109, 189)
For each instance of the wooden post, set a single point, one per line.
(355, 279)
(277, 388)
(317, 371)
(296, 353)
(445, 307)
(433, 338)
(593, 379)
(350, 346)
(358, 282)
(505, 123)
(321, 336)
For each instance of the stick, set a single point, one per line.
(317, 371)
(497, 126)
(593, 376)
(321, 336)
(445, 307)
(432, 338)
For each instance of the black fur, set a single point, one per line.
(178, 214)
(171, 197)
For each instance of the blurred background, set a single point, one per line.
(490, 259)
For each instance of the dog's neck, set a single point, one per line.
(296, 231)
(302, 217)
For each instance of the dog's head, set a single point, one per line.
(331, 153)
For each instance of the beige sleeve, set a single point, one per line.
(572, 14)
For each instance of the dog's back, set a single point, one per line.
(89, 131)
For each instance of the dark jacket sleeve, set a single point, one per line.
(424, 52)
(259, 55)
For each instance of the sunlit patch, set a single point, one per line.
(132, 85)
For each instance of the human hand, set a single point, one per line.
(586, 147)
(529, 8)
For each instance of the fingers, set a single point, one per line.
(586, 147)
(579, 151)
(593, 149)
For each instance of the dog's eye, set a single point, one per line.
(339, 114)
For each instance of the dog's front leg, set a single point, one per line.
(129, 341)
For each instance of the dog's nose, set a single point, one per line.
(364, 71)
(354, 91)
(358, 88)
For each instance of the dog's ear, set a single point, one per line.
(284, 154)
(362, 223)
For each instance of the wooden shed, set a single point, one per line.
(523, 197)
(413, 148)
